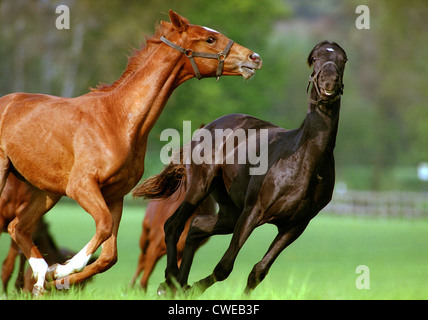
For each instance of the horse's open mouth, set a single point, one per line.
(328, 93)
(247, 71)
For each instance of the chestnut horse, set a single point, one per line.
(14, 198)
(91, 148)
(152, 240)
(298, 183)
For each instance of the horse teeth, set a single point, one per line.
(328, 92)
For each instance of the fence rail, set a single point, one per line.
(381, 204)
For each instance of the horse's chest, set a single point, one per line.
(294, 194)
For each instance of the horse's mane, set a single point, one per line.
(134, 60)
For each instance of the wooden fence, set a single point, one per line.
(381, 204)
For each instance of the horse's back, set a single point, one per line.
(19, 98)
(239, 120)
(20, 108)
(6, 102)
(34, 137)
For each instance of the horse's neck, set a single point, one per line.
(142, 97)
(320, 127)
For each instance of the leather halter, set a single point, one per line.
(314, 80)
(189, 53)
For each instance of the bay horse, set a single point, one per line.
(91, 148)
(152, 240)
(298, 183)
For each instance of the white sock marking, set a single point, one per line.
(75, 264)
(39, 267)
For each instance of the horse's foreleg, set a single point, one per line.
(282, 240)
(88, 195)
(107, 258)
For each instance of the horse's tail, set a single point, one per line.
(163, 184)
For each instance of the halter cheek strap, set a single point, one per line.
(314, 80)
(189, 53)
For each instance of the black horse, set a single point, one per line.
(298, 183)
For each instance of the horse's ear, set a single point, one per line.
(167, 25)
(310, 57)
(180, 23)
(310, 60)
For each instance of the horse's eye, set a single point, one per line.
(211, 40)
(314, 59)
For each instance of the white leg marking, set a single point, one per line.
(75, 264)
(39, 267)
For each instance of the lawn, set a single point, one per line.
(321, 264)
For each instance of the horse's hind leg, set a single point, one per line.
(140, 268)
(21, 229)
(4, 170)
(20, 279)
(9, 264)
(144, 242)
(173, 228)
(201, 228)
(153, 253)
(198, 189)
(245, 225)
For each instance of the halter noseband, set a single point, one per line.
(189, 53)
(314, 80)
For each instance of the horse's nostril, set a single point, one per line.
(332, 78)
(254, 57)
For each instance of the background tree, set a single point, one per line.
(384, 121)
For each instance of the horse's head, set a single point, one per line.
(210, 53)
(328, 60)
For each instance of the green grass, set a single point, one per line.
(321, 264)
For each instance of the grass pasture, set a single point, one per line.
(321, 264)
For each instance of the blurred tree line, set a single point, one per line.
(384, 117)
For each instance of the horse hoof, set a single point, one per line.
(163, 290)
(50, 274)
(186, 288)
(38, 291)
